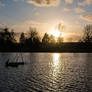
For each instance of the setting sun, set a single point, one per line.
(55, 33)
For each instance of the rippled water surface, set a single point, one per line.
(47, 72)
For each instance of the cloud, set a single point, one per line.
(66, 9)
(79, 10)
(31, 22)
(88, 1)
(87, 17)
(2, 4)
(3, 25)
(23, 26)
(41, 3)
(69, 1)
(85, 2)
(17, 0)
(35, 23)
(36, 12)
(73, 37)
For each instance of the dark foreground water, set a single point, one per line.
(47, 72)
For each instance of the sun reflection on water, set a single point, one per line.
(55, 69)
(56, 64)
(56, 59)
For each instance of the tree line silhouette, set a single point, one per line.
(33, 42)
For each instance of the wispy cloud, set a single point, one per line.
(36, 12)
(24, 26)
(79, 10)
(87, 17)
(69, 1)
(2, 25)
(35, 23)
(31, 22)
(73, 37)
(85, 2)
(2, 4)
(18, 0)
(41, 3)
(67, 9)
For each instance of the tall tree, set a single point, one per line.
(34, 39)
(52, 39)
(87, 34)
(60, 40)
(22, 38)
(60, 27)
(45, 39)
(8, 36)
(33, 33)
(12, 36)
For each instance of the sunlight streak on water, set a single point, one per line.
(56, 58)
(55, 65)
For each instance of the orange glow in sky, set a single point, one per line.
(55, 33)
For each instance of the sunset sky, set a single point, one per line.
(46, 14)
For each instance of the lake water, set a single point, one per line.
(47, 72)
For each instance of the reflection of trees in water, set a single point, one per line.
(32, 64)
(5, 56)
(32, 57)
(4, 72)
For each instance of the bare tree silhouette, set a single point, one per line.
(22, 38)
(60, 40)
(51, 39)
(7, 35)
(87, 35)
